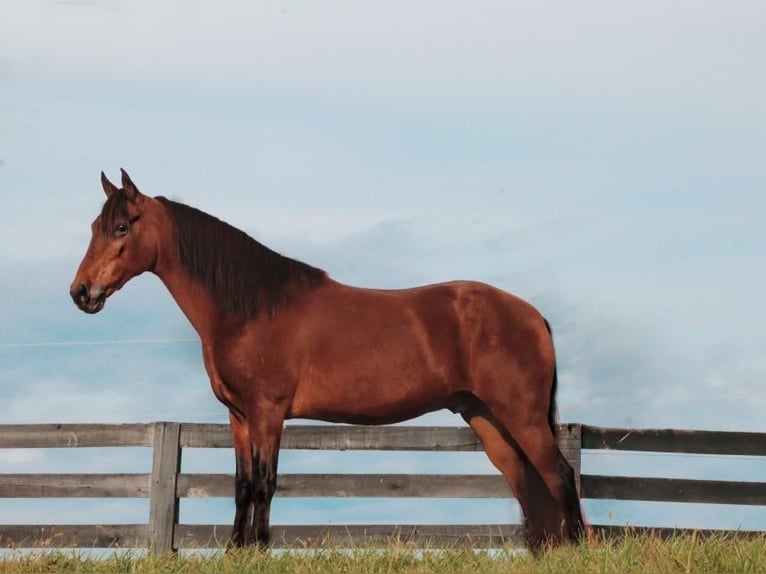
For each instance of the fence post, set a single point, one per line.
(163, 508)
(570, 444)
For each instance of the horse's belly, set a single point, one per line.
(370, 399)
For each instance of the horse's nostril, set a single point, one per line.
(80, 295)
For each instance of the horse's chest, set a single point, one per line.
(245, 372)
(228, 375)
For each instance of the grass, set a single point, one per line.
(634, 553)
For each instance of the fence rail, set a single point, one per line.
(167, 484)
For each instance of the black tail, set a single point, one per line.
(552, 410)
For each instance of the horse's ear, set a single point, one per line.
(130, 188)
(109, 187)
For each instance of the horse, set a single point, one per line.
(281, 339)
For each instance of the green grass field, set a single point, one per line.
(631, 554)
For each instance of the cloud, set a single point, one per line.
(478, 53)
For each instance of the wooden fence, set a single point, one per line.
(166, 484)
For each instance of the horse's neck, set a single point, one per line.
(192, 297)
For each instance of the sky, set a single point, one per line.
(605, 161)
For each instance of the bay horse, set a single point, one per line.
(281, 339)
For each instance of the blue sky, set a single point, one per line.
(602, 160)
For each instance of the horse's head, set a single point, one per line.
(123, 244)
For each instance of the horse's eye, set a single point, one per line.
(120, 229)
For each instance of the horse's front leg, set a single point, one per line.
(265, 434)
(243, 482)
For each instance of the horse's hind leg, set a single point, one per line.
(539, 511)
(541, 448)
(535, 439)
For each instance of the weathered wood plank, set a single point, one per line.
(357, 485)
(359, 437)
(671, 440)
(673, 490)
(75, 435)
(345, 437)
(75, 485)
(612, 532)
(163, 509)
(205, 435)
(339, 535)
(74, 535)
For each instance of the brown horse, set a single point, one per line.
(280, 339)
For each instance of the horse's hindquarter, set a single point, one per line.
(378, 356)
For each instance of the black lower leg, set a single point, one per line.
(243, 501)
(575, 525)
(264, 486)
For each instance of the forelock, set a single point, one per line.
(115, 209)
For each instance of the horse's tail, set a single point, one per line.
(552, 409)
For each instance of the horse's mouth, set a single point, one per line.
(94, 306)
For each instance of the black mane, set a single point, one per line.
(243, 275)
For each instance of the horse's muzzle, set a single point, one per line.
(90, 301)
